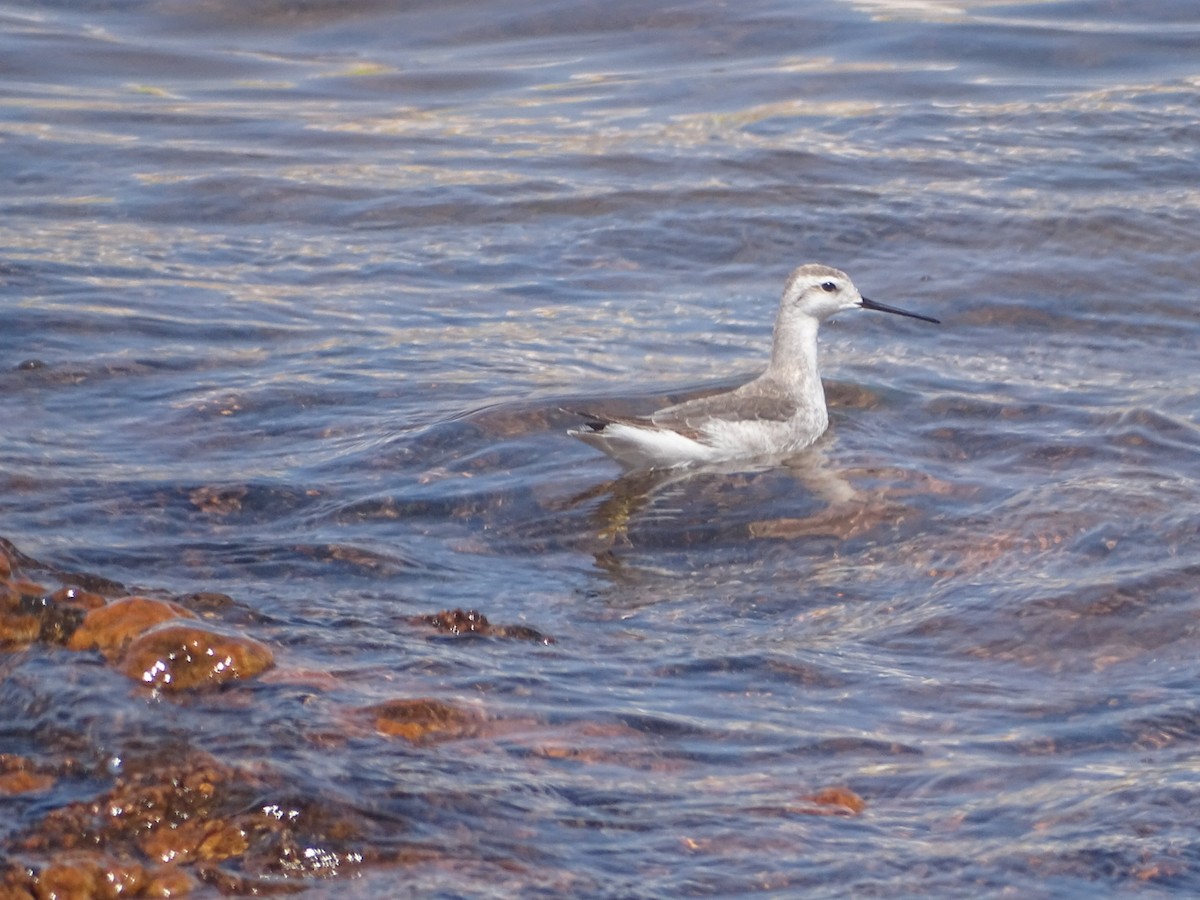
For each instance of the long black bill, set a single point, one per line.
(871, 304)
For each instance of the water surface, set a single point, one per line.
(292, 297)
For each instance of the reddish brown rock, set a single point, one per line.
(148, 800)
(17, 629)
(112, 627)
(191, 813)
(197, 840)
(78, 598)
(473, 622)
(218, 500)
(458, 621)
(28, 588)
(833, 801)
(189, 657)
(19, 624)
(423, 720)
(167, 881)
(90, 876)
(94, 876)
(18, 775)
(24, 783)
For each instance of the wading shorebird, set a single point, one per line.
(779, 412)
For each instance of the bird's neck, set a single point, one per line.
(794, 358)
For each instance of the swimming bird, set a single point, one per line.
(779, 412)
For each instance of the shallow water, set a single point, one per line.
(292, 296)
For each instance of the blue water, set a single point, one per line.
(300, 289)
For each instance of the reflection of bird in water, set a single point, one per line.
(665, 501)
(779, 412)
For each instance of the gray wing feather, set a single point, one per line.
(767, 405)
(759, 399)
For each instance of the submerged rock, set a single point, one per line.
(423, 720)
(189, 657)
(473, 622)
(112, 627)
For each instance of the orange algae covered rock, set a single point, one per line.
(89, 876)
(28, 588)
(94, 875)
(423, 720)
(200, 839)
(110, 627)
(24, 783)
(18, 775)
(17, 629)
(19, 623)
(834, 801)
(188, 657)
(77, 597)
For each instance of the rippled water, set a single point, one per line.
(292, 295)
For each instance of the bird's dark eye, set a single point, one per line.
(829, 286)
